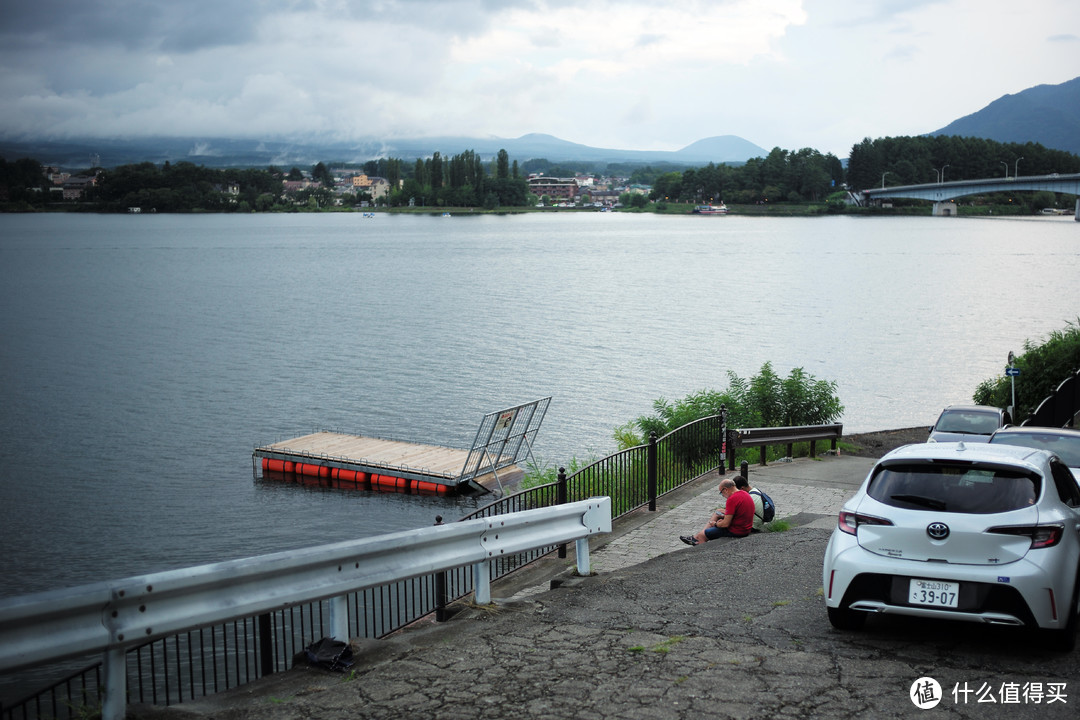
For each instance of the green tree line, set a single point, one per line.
(462, 180)
(781, 176)
(465, 180)
(928, 159)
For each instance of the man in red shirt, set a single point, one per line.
(737, 520)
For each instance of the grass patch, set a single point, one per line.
(778, 526)
(665, 647)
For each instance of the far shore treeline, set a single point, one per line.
(801, 181)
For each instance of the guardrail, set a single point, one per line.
(763, 437)
(113, 616)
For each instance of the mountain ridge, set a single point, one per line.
(251, 152)
(1046, 114)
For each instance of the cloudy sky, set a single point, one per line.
(649, 75)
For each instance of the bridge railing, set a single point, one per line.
(114, 616)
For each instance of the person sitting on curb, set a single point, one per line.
(759, 505)
(736, 521)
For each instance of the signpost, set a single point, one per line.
(1012, 372)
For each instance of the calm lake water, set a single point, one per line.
(143, 357)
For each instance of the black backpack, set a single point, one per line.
(768, 507)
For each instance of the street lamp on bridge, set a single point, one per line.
(1006, 167)
(941, 173)
(887, 172)
(1017, 166)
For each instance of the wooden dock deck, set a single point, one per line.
(386, 463)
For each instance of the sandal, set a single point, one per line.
(689, 540)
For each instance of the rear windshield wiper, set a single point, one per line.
(920, 500)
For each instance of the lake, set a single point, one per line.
(144, 356)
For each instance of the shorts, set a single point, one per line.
(712, 533)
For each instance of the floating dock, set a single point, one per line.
(337, 459)
(381, 464)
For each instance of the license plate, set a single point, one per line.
(936, 593)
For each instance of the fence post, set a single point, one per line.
(440, 588)
(744, 469)
(650, 464)
(731, 436)
(266, 644)
(723, 438)
(560, 499)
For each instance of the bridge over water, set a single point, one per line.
(944, 193)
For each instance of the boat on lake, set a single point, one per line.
(720, 209)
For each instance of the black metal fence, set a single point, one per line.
(1060, 407)
(209, 660)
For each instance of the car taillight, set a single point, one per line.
(849, 522)
(1042, 536)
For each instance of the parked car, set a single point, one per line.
(1063, 442)
(971, 423)
(960, 531)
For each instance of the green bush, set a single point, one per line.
(765, 400)
(1042, 368)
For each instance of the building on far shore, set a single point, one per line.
(554, 187)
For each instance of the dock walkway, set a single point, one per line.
(357, 459)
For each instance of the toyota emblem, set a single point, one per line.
(937, 530)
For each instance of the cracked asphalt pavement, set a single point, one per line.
(729, 629)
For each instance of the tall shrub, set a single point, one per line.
(765, 400)
(1042, 368)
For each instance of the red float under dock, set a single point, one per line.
(342, 460)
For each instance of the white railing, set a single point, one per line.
(112, 616)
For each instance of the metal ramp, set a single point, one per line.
(504, 437)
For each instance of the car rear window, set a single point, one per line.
(954, 488)
(1066, 448)
(967, 421)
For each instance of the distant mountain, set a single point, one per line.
(226, 152)
(1046, 114)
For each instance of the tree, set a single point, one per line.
(502, 166)
(667, 187)
(322, 174)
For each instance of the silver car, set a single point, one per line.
(960, 531)
(1063, 442)
(970, 423)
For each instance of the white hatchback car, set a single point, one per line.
(960, 531)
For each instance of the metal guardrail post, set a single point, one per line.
(482, 582)
(560, 499)
(651, 470)
(114, 701)
(582, 547)
(339, 618)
